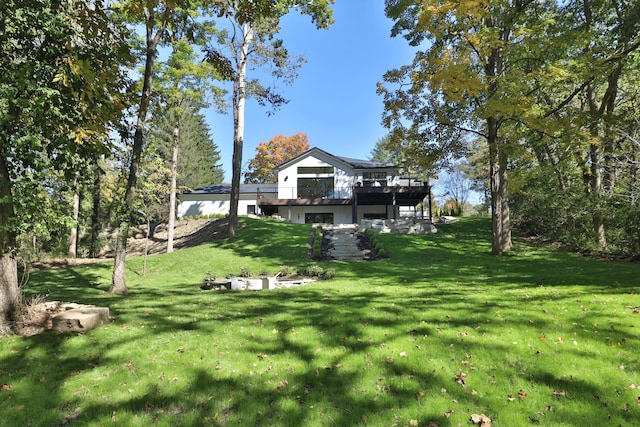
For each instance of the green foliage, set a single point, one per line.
(199, 158)
(316, 251)
(378, 245)
(285, 270)
(61, 91)
(245, 272)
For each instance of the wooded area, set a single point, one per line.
(543, 95)
(98, 131)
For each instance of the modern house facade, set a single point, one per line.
(318, 187)
(215, 199)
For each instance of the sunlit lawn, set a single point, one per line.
(438, 332)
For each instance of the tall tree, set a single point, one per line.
(199, 160)
(186, 79)
(272, 154)
(381, 152)
(61, 88)
(468, 82)
(251, 43)
(156, 16)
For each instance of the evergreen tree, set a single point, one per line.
(199, 161)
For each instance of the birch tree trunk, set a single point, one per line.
(174, 178)
(73, 234)
(239, 99)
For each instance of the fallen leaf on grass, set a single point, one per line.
(522, 394)
(262, 356)
(5, 387)
(559, 393)
(481, 419)
(460, 379)
(390, 360)
(449, 413)
(413, 422)
(403, 354)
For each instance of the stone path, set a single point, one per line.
(344, 243)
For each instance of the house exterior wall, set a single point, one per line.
(343, 177)
(296, 214)
(210, 204)
(327, 197)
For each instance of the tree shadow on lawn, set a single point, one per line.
(427, 301)
(351, 329)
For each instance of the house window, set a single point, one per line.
(315, 188)
(251, 209)
(318, 218)
(314, 170)
(374, 179)
(375, 215)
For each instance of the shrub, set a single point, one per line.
(245, 272)
(285, 270)
(316, 251)
(312, 270)
(329, 274)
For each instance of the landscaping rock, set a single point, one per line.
(80, 319)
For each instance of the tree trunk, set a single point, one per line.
(9, 289)
(95, 213)
(498, 159)
(73, 234)
(118, 285)
(595, 172)
(500, 213)
(174, 177)
(119, 261)
(239, 98)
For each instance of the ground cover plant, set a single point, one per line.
(431, 336)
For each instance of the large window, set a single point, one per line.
(374, 179)
(313, 170)
(318, 218)
(315, 188)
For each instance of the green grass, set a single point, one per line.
(437, 332)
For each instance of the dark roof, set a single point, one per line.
(364, 164)
(226, 189)
(354, 163)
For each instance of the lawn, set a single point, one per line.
(438, 332)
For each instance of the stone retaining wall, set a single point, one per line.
(399, 226)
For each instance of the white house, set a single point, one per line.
(215, 199)
(318, 187)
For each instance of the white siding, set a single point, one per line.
(209, 204)
(295, 214)
(288, 177)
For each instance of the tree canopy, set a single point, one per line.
(62, 89)
(530, 78)
(273, 153)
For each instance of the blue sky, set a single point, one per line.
(334, 99)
